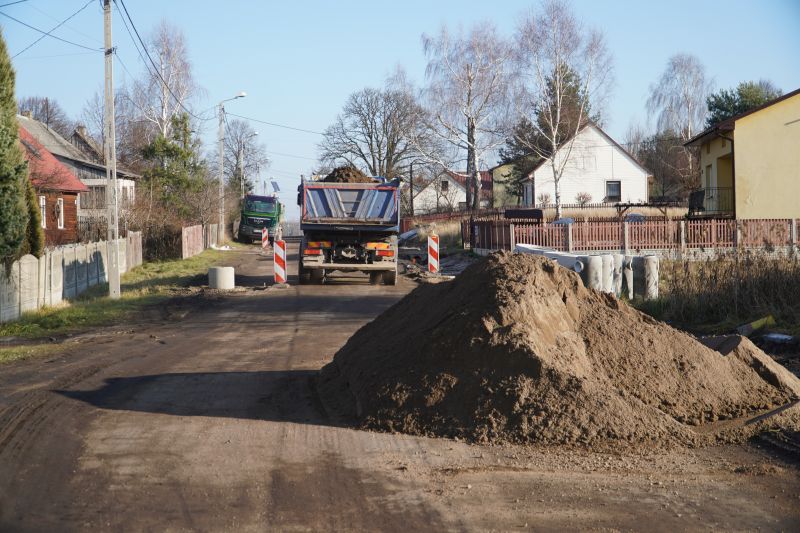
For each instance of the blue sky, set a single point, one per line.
(298, 61)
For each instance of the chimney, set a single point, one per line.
(81, 129)
(27, 113)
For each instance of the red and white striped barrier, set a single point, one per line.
(433, 254)
(264, 238)
(279, 262)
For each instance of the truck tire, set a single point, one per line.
(375, 277)
(390, 277)
(317, 275)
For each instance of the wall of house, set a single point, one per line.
(710, 154)
(592, 162)
(127, 196)
(767, 162)
(432, 198)
(55, 236)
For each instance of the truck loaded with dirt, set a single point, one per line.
(350, 223)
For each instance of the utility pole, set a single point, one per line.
(411, 189)
(240, 162)
(221, 227)
(110, 153)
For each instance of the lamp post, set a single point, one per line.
(221, 113)
(240, 159)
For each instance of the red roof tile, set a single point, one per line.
(46, 172)
(487, 182)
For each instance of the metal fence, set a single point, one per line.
(648, 235)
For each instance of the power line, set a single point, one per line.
(147, 53)
(292, 155)
(12, 3)
(93, 52)
(51, 17)
(49, 33)
(276, 125)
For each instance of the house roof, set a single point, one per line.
(61, 147)
(487, 181)
(608, 137)
(730, 123)
(46, 172)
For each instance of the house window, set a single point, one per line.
(445, 185)
(613, 191)
(60, 212)
(94, 199)
(43, 210)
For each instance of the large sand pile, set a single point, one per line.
(347, 175)
(516, 349)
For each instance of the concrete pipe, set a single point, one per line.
(651, 264)
(608, 273)
(627, 276)
(221, 278)
(592, 274)
(617, 275)
(566, 260)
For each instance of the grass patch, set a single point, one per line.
(18, 353)
(717, 295)
(143, 286)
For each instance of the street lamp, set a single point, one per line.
(240, 159)
(221, 113)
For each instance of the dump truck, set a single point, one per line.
(349, 227)
(259, 212)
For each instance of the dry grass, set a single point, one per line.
(716, 295)
(449, 232)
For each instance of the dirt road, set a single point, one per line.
(208, 420)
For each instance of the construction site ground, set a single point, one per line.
(204, 415)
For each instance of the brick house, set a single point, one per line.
(57, 191)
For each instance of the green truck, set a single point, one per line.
(259, 212)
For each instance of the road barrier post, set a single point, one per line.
(279, 262)
(433, 254)
(264, 239)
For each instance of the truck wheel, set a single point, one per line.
(375, 277)
(317, 275)
(390, 277)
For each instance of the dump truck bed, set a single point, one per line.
(350, 206)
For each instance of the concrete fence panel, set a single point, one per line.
(28, 283)
(9, 292)
(61, 273)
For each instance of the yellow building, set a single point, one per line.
(502, 197)
(750, 163)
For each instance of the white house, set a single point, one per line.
(597, 168)
(447, 192)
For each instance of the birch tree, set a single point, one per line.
(244, 155)
(678, 103)
(160, 95)
(468, 78)
(564, 70)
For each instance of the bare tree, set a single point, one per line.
(47, 111)
(564, 73)
(244, 155)
(133, 131)
(161, 95)
(373, 133)
(468, 78)
(678, 102)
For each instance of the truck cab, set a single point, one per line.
(259, 212)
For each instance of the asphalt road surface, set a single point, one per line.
(203, 416)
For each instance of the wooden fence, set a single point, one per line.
(649, 235)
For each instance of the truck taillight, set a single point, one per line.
(312, 251)
(377, 245)
(319, 244)
(385, 253)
